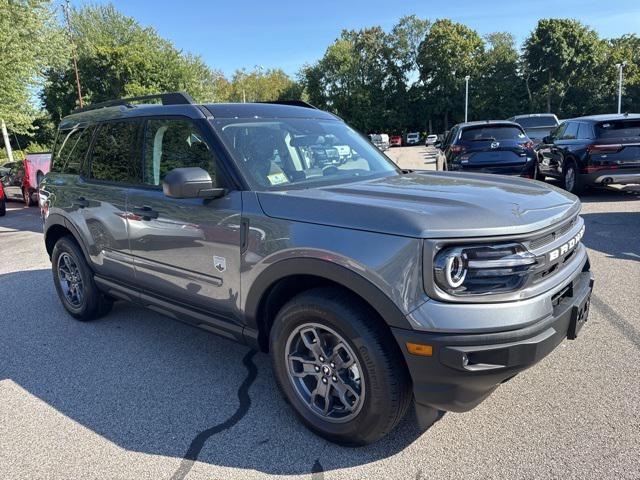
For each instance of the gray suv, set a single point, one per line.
(368, 285)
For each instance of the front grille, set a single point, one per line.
(550, 237)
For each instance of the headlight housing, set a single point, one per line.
(482, 269)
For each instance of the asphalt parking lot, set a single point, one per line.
(139, 396)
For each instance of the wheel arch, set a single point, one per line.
(287, 278)
(56, 227)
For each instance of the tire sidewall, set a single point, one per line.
(574, 188)
(376, 399)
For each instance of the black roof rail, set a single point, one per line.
(293, 103)
(170, 98)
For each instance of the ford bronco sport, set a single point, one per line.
(368, 285)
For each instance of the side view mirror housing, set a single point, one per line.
(437, 144)
(190, 182)
(547, 139)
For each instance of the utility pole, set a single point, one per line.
(7, 145)
(466, 97)
(75, 57)
(620, 67)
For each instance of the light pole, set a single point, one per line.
(466, 97)
(620, 67)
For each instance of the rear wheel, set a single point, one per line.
(74, 282)
(342, 373)
(28, 198)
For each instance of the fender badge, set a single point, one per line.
(220, 263)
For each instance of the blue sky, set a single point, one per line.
(233, 34)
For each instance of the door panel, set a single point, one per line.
(191, 251)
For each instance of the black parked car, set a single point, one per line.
(595, 150)
(537, 125)
(491, 146)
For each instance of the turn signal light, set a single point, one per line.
(420, 349)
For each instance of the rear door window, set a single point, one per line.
(506, 132)
(175, 143)
(584, 131)
(571, 132)
(115, 156)
(70, 151)
(619, 129)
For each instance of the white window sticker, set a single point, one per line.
(277, 178)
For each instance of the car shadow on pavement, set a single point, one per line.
(150, 384)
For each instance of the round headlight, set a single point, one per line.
(452, 267)
(456, 269)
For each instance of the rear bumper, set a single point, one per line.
(614, 176)
(465, 368)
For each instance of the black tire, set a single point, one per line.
(386, 392)
(571, 181)
(94, 303)
(536, 173)
(3, 207)
(27, 198)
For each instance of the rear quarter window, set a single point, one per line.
(70, 151)
(618, 129)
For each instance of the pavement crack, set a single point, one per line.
(245, 402)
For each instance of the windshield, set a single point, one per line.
(541, 121)
(618, 129)
(498, 132)
(276, 154)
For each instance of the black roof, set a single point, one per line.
(181, 105)
(608, 117)
(265, 110)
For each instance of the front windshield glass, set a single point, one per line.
(282, 153)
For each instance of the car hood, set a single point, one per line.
(428, 205)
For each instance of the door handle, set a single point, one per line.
(147, 213)
(81, 202)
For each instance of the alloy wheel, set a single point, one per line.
(570, 179)
(70, 280)
(325, 372)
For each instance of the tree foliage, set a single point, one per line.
(31, 41)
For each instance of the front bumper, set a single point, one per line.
(464, 369)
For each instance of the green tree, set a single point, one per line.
(561, 55)
(622, 49)
(499, 90)
(361, 79)
(449, 52)
(117, 57)
(31, 41)
(259, 86)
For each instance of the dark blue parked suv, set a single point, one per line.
(489, 147)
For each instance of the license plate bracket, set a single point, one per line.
(579, 315)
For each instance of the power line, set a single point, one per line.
(65, 7)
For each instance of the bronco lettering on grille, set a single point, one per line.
(566, 247)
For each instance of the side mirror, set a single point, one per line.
(190, 182)
(437, 143)
(547, 139)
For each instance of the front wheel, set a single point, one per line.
(74, 282)
(3, 207)
(342, 373)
